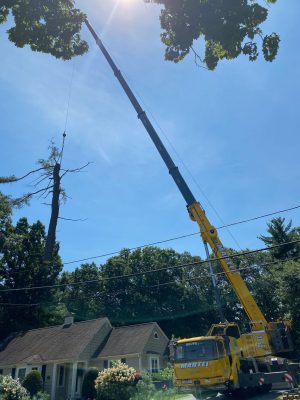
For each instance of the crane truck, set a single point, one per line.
(225, 359)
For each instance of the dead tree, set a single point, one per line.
(50, 171)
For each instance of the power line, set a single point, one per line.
(183, 236)
(245, 253)
(154, 285)
(171, 239)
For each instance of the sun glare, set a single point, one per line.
(128, 1)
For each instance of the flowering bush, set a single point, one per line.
(11, 389)
(116, 383)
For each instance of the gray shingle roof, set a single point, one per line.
(50, 344)
(127, 340)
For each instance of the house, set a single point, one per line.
(62, 353)
(142, 347)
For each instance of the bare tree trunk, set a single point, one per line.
(51, 236)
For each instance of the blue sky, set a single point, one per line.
(237, 130)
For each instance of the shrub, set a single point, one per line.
(33, 382)
(145, 389)
(88, 385)
(166, 374)
(11, 389)
(116, 383)
(41, 396)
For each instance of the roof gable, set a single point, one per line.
(128, 340)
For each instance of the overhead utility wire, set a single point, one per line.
(169, 240)
(245, 253)
(183, 236)
(173, 282)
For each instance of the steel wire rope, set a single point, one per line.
(181, 159)
(171, 144)
(201, 262)
(67, 114)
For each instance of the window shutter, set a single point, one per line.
(43, 375)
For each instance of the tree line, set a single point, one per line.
(178, 294)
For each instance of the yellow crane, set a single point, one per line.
(224, 360)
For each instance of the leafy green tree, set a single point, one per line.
(169, 295)
(46, 26)
(5, 210)
(287, 292)
(228, 28)
(281, 233)
(85, 301)
(21, 266)
(179, 298)
(257, 274)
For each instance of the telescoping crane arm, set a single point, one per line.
(196, 212)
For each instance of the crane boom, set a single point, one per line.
(208, 232)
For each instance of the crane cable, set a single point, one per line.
(67, 112)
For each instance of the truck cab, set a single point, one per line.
(204, 361)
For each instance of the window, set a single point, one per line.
(43, 373)
(105, 364)
(21, 373)
(155, 335)
(61, 376)
(221, 351)
(123, 360)
(203, 350)
(1, 371)
(154, 364)
(79, 379)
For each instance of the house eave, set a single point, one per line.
(116, 356)
(59, 361)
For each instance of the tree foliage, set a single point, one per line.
(179, 298)
(33, 382)
(88, 390)
(149, 284)
(228, 28)
(21, 265)
(46, 26)
(281, 233)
